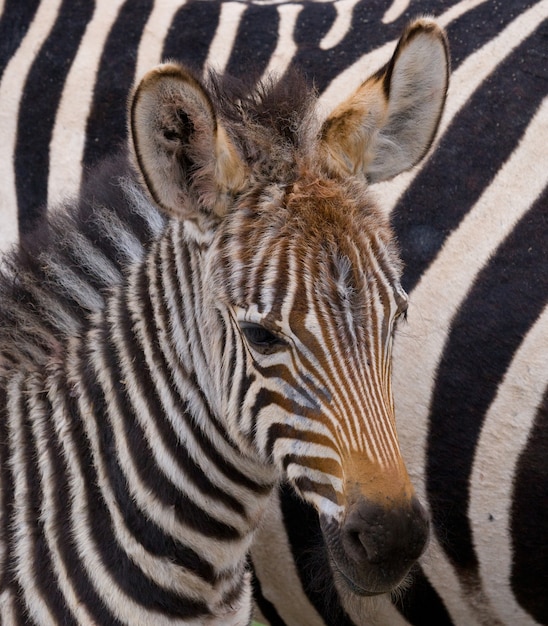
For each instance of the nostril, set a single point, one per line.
(354, 540)
(361, 546)
(375, 535)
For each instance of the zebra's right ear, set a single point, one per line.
(179, 146)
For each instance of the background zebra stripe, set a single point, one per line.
(471, 221)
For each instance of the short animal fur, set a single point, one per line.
(212, 316)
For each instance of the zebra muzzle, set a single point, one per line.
(372, 550)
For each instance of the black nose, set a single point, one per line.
(387, 540)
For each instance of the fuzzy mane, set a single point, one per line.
(60, 272)
(269, 121)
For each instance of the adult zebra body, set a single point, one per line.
(159, 377)
(477, 317)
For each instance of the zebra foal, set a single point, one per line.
(214, 315)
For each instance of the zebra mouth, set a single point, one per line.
(350, 584)
(342, 570)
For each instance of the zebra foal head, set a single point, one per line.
(300, 290)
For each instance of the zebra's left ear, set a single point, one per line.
(179, 146)
(389, 123)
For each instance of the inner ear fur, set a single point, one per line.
(185, 157)
(389, 123)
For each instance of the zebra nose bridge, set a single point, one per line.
(380, 479)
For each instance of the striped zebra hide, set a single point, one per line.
(471, 365)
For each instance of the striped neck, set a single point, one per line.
(179, 502)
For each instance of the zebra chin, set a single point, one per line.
(373, 548)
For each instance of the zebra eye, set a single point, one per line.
(262, 339)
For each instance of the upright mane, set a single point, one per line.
(269, 120)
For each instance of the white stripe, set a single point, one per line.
(225, 36)
(7, 611)
(436, 299)
(154, 35)
(338, 386)
(341, 26)
(69, 132)
(11, 91)
(160, 454)
(69, 283)
(276, 570)
(464, 82)
(221, 555)
(23, 522)
(115, 599)
(504, 434)
(457, 10)
(395, 10)
(157, 568)
(286, 46)
(60, 575)
(348, 81)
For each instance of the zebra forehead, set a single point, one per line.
(314, 209)
(317, 226)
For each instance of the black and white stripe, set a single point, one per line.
(471, 224)
(107, 511)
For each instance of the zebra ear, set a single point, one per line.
(389, 123)
(179, 146)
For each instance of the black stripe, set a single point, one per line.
(421, 604)
(145, 531)
(311, 561)
(255, 41)
(313, 23)
(476, 27)
(79, 578)
(39, 103)
(504, 302)
(184, 272)
(529, 521)
(187, 511)
(192, 32)
(35, 504)
(15, 22)
(207, 448)
(31, 505)
(367, 32)
(479, 140)
(266, 607)
(131, 580)
(104, 192)
(102, 196)
(105, 130)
